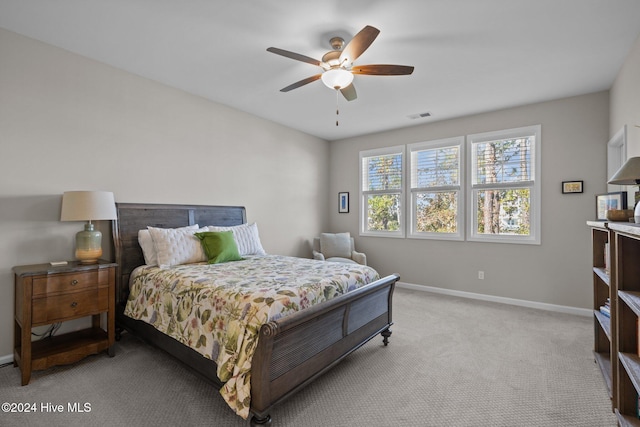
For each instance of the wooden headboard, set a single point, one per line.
(137, 216)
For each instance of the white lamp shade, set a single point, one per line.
(337, 78)
(628, 174)
(88, 206)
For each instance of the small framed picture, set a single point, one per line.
(343, 202)
(604, 202)
(569, 187)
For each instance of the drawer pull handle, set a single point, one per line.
(74, 282)
(74, 304)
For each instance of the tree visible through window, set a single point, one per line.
(382, 191)
(503, 183)
(436, 189)
(490, 192)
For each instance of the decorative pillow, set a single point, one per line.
(247, 238)
(335, 245)
(148, 250)
(175, 246)
(219, 246)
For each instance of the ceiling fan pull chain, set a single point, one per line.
(337, 110)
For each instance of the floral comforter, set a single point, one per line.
(218, 309)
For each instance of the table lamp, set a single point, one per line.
(88, 206)
(629, 174)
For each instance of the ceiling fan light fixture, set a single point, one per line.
(337, 65)
(337, 78)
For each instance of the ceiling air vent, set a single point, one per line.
(419, 116)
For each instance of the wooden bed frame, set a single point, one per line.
(292, 351)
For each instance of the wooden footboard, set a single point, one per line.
(293, 351)
(296, 349)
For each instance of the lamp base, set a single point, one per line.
(88, 245)
(636, 214)
(88, 256)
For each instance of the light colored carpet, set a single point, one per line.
(450, 362)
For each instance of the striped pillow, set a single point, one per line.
(246, 237)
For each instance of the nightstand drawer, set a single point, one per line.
(69, 306)
(58, 283)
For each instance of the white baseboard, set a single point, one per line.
(6, 359)
(512, 301)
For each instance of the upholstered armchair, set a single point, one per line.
(337, 247)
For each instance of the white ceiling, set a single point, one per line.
(470, 56)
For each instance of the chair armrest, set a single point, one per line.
(359, 257)
(318, 256)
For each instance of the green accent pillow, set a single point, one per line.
(219, 246)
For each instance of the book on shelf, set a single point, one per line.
(606, 258)
(606, 308)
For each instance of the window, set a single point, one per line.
(382, 192)
(504, 196)
(490, 193)
(437, 200)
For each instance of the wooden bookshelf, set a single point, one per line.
(626, 239)
(604, 349)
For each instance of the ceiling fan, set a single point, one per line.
(337, 65)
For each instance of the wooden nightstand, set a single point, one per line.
(44, 295)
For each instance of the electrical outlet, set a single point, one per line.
(481, 275)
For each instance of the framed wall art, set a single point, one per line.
(343, 202)
(570, 187)
(608, 201)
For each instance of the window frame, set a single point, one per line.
(413, 190)
(534, 185)
(363, 194)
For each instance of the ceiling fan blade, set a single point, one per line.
(382, 70)
(293, 55)
(358, 44)
(349, 92)
(301, 83)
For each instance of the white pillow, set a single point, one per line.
(148, 250)
(175, 246)
(246, 237)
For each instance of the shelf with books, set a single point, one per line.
(626, 238)
(604, 322)
(603, 305)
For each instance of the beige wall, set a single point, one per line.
(69, 123)
(625, 101)
(574, 135)
(625, 110)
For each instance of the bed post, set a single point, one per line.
(259, 422)
(385, 336)
(260, 377)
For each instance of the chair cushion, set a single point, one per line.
(335, 245)
(339, 259)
